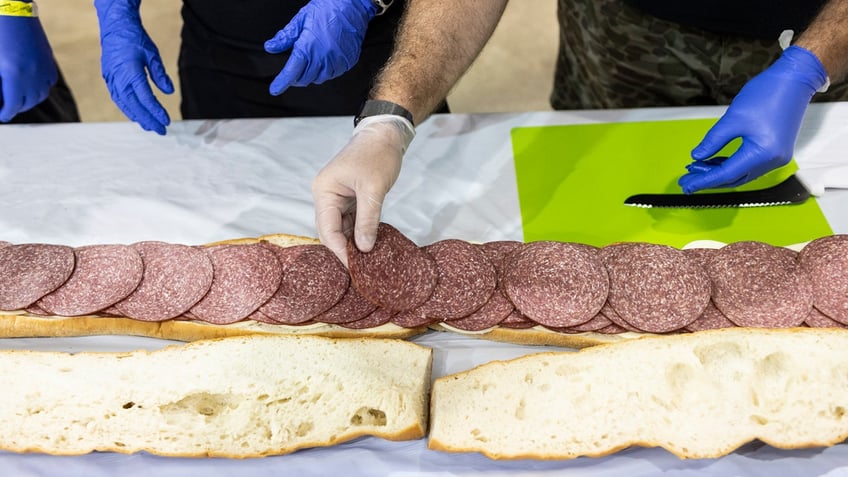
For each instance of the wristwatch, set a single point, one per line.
(373, 107)
(382, 5)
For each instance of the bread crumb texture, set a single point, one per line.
(233, 397)
(699, 395)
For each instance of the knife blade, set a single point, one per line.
(789, 192)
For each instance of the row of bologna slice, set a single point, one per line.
(572, 287)
(564, 287)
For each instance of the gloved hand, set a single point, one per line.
(27, 67)
(126, 50)
(348, 193)
(767, 115)
(325, 38)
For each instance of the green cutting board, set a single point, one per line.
(572, 182)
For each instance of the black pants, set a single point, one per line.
(59, 107)
(225, 71)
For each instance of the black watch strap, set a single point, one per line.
(374, 107)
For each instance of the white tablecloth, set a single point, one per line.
(213, 180)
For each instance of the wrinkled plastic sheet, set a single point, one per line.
(214, 180)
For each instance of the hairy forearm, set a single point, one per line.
(437, 42)
(827, 38)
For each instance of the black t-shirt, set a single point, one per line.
(751, 18)
(252, 21)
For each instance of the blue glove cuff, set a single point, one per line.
(804, 66)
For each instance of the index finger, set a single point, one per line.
(330, 224)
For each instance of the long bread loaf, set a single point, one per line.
(698, 395)
(233, 397)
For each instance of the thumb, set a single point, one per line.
(716, 138)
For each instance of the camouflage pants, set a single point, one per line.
(614, 56)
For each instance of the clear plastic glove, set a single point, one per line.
(325, 38)
(767, 115)
(348, 192)
(127, 51)
(27, 67)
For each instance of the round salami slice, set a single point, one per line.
(498, 306)
(826, 262)
(396, 274)
(759, 285)
(616, 319)
(597, 322)
(262, 318)
(466, 280)
(34, 309)
(497, 252)
(490, 314)
(378, 317)
(413, 318)
(313, 280)
(711, 319)
(612, 329)
(245, 277)
(655, 288)
(30, 271)
(817, 319)
(175, 278)
(700, 255)
(516, 320)
(556, 284)
(352, 307)
(103, 276)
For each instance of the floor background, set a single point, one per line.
(513, 73)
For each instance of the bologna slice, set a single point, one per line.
(175, 278)
(655, 288)
(759, 285)
(313, 280)
(30, 271)
(826, 262)
(396, 274)
(245, 277)
(556, 284)
(103, 276)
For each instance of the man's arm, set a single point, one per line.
(436, 43)
(827, 38)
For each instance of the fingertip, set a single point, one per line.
(169, 86)
(365, 240)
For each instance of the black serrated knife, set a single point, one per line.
(790, 191)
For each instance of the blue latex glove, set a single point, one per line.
(126, 50)
(325, 38)
(767, 115)
(27, 67)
